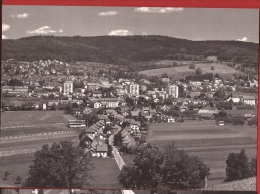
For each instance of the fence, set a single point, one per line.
(119, 160)
(120, 163)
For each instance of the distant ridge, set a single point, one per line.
(123, 50)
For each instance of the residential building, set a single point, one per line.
(15, 89)
(172, 91)
(133, 89)
(250, 100)
(195, 83)
(67, 87)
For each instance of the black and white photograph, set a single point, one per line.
(135, 99)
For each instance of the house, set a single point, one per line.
(235, 99)
(87, 111)
(97, 105)
(166, 79)
(250, 100)
(146, 113)
(90, 131)
(195, 83)
(208, 112)
(102, 151)
(77, 111)
(97, 94)
(99, 148)
(135, 127)
(156, 100)
(170, 120)
(135, 113)
(92, 86)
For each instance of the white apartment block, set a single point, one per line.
(172, 91)
(133, 89)
(67, 87)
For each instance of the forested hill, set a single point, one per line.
(124, 50)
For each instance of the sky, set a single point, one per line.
(186, 23)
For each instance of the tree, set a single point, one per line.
(238, 167)
(6, 175)
(118, 139)
(51, 96)
(253, 121)
(54, 106)
(253, 166)
(192, 66)
(61, 165)
(224, 105)
(145, 172)
(222, 114)
(238, 120)
(18, 180)
(165, 75)
(219, 94)
(181, 171)
(198, 71)
(169, 168)
(15, 82)
(68, 109)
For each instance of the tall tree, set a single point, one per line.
(181, 171)
(145, 173)
(61, 165)
(238, 167)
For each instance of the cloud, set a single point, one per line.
(108, 13)
(21, 16)
(244, 39)
(4, 37)
(44, 30)
(5, 27)
(158, 9)
(119, 32)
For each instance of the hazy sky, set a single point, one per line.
(187, 23)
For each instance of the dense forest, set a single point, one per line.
(125, 50)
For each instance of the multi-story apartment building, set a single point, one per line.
(133, 89)
(172, 91)
(67, 87)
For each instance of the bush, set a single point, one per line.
(6, 175)
(192, 66)
(198, 71)
(18, 180)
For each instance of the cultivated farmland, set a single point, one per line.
(223, 70)
(206, 139)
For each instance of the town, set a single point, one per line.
(113, 109)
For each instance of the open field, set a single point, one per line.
(105, 174)
(25, 118)
(222, 70)
(207, 140)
